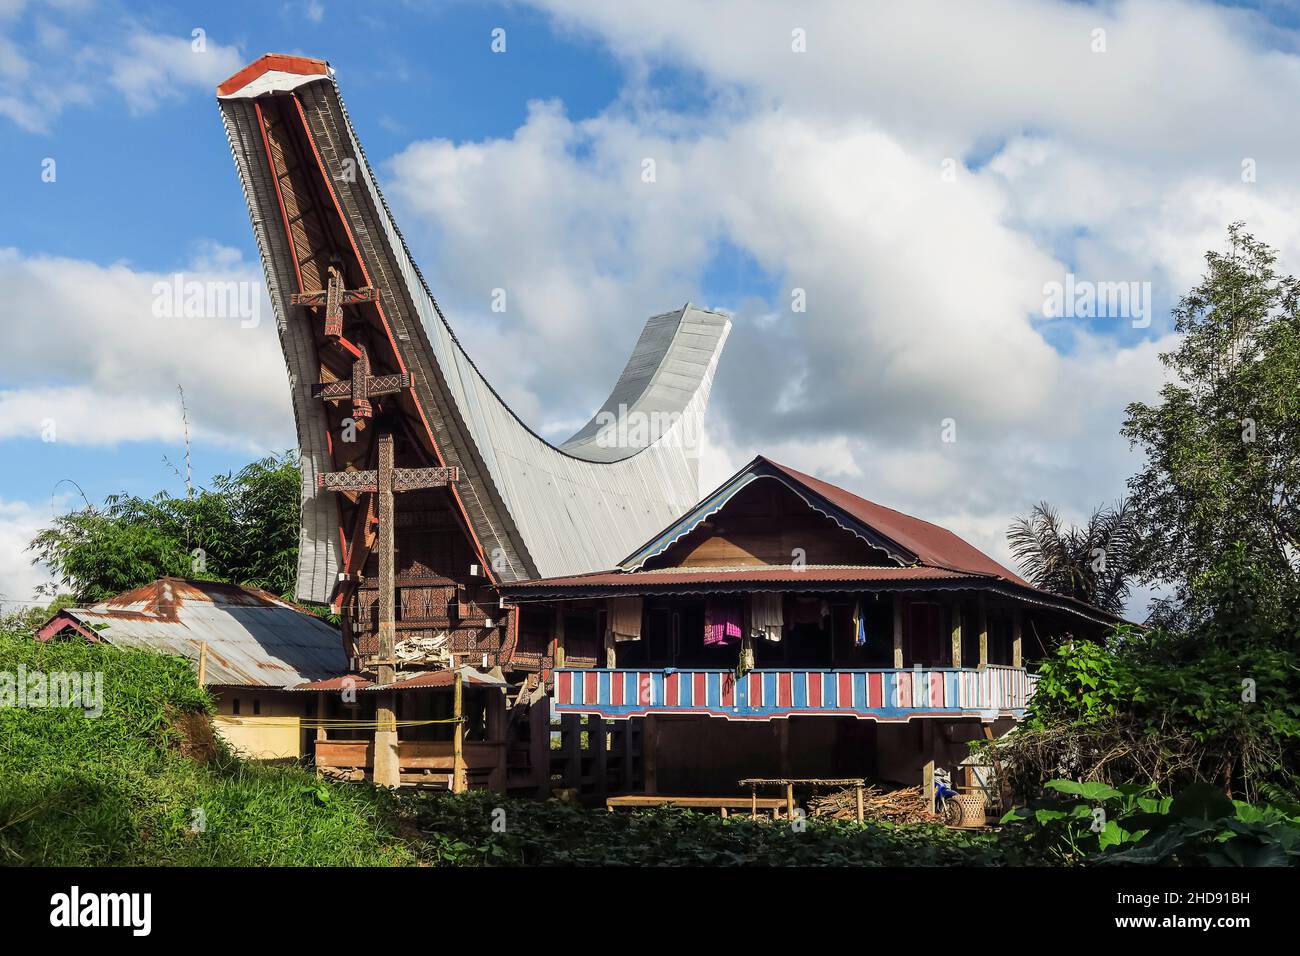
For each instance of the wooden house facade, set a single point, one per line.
(785, 627)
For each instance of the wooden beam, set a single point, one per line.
(203, 662)
(600, 754)
(955, 645)
(496, 732)
(458, 781)
(984, 633)
(387, 770)
(898, 630)
(927, 784)
(1017, 658)
(559, 637)
(650, 754)
(539, 744)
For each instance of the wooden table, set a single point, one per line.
(857, 783)
(722, 804)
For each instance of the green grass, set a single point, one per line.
(118, 790)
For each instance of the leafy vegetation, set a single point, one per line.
(1092, 563)
(1222, 446)
(147, 783)
(1132, 825)
(459, 832)
(242, 530)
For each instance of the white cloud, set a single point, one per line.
(155, 68)
(19, 523)
(40, 80)
(92, 348)
(924, 296)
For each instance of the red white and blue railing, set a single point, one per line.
(885, 695)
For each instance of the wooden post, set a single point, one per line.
(321, 733)
(753, 801)
(789, 801)
(571, 747)
(858, 794)
(956, 634)
(984, 633)
(650, 753)
(387, 771)
(458, 782)
(898, 630)
(927, 784)
(611, 657)
(539, 745)
(559, 637)
(600, 754)
(496, 732)
(1017, 660)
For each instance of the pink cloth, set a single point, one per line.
(721, 623)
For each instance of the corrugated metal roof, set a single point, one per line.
(425, 679)
(932, 545)
(254, 639)
(928, 555)
(544, 509)
(750, 574)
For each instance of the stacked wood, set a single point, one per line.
(904, 805)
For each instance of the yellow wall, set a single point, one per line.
(273, 734)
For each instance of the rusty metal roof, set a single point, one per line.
(406, 681)
(752, 577)
(254, 638)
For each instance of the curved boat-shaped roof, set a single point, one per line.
(535, 508)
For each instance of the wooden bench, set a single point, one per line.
(722, 804)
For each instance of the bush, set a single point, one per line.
(125, 788)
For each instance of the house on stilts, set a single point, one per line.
(784, 628)
(528, 616)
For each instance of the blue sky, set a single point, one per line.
(817, 170)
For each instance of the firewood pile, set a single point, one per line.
(904, 805)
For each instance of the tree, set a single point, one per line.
(1223, 443)
(1092, 563)
(244, 530)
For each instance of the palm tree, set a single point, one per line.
(1092, 563)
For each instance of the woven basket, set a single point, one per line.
(973, 810)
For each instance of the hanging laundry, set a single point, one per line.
(721, 622)
(859, 625)
(766, 616)
(624, 615)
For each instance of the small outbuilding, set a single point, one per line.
(248, 647)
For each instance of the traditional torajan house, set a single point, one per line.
(248, 647)
(422, 490)
(784, 627)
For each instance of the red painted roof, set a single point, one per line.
(335, 684)
(765, 574)
(303, 65)
(934, 546)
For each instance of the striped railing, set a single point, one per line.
(885, 695)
